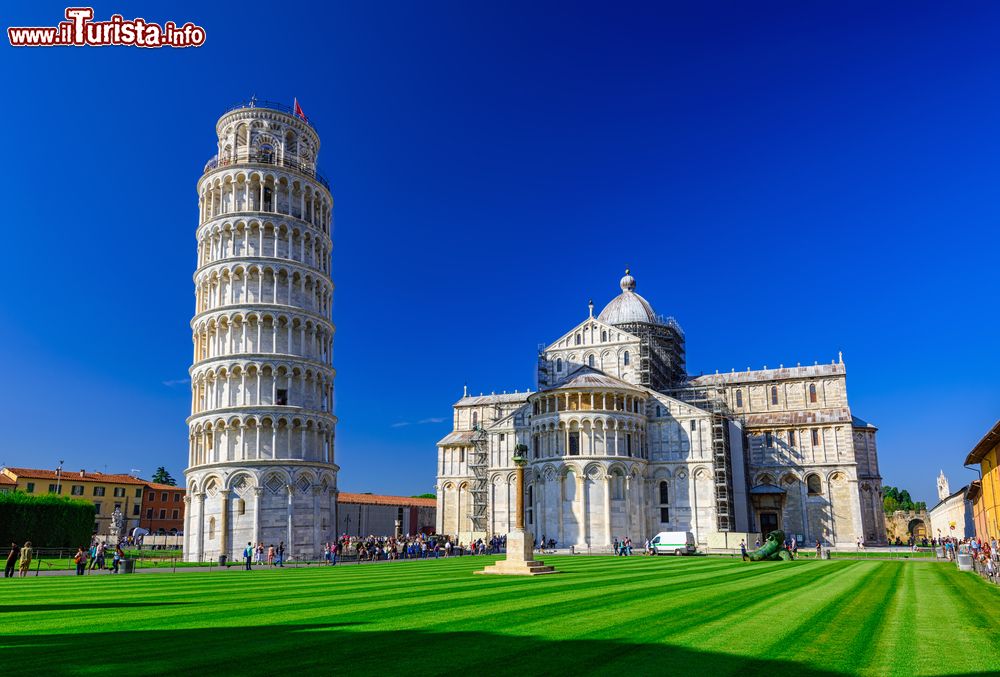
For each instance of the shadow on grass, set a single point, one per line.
(322, 646)
(11, 608)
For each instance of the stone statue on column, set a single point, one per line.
(520, 545)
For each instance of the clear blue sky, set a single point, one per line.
(787, 179)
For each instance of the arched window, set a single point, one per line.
(739, 399)
(475, 419)
(590, 360)
(812, 392)
(617, 487)
(604, 336)
(658, 414)
(813, 485)
(774, 394)
(664, 493)
(266, 153)
(559, 364)
(577, 339)
(694, 425)
(625, 358)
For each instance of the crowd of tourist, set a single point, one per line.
(388, 548)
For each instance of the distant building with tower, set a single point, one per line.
(622, 441)
(952, 515)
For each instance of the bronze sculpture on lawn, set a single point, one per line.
(773, 549)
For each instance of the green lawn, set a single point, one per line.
(602, 615)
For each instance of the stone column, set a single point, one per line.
(201, 524)
(519, 496)
(187, 527)
(628, 505)
(855, 493)
(559, 511)
(291, 500)
(224, 524)
(257, 493)
(607, 509)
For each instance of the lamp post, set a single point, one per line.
(59, 477)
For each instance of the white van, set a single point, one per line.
(676, 542)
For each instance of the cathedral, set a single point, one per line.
(622, 442)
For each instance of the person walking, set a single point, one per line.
(819, 550)
(25, 562)
(15, 552)
(259, 554)
(270, 555)
(281, 554)
(81, 561)
(99, 557)
(93, 557)
(116, 561)
(743, 550)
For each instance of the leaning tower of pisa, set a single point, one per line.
(261, 431)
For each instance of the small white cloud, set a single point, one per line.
(431, 420)
(400, 424)
(176, 382)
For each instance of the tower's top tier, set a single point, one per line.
(266, 133)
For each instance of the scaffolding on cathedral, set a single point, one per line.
(712, 400)
(480, 482)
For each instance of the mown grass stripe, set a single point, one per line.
(640, 614)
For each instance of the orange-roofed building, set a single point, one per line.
(106, 491)
(373, 514)
(163, 509)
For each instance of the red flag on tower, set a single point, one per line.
(298, 111)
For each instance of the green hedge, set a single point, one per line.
(47, 521)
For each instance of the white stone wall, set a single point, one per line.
(595, 344)
(262, 429)
(952, 517)
(801, 439)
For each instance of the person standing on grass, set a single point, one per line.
(248, 555)
(270, 555)
(99, 556)
(259, 554)
(15, 552)
(819, 549)
(25, 562)
(117, 559)
(81, 561)
(281, 554)
(743, 549)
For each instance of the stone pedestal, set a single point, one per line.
(518, 561)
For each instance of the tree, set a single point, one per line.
(161, 476)
(890, 504)
(424, 496)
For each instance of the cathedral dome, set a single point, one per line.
(628, 306)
